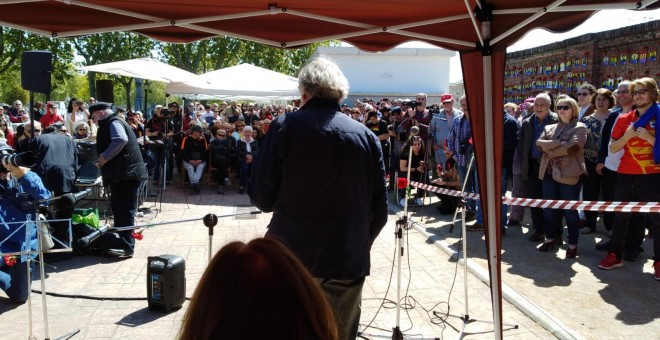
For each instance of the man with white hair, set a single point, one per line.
(315, 158)
(530, 131)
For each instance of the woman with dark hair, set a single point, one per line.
(417, 167)
(602, 101)
(263, 277)
(560, 169)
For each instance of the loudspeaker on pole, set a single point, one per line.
(36, 69)
(104, 91)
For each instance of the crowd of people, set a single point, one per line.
(292, 160)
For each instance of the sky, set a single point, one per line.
(600, 21)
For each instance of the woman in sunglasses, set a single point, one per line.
(560, 169)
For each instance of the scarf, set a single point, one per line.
(652, 112)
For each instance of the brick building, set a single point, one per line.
(602, 59)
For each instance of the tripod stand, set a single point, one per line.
(43, 237)
(461, 207)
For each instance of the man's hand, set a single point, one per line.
(644, 134)
(599, 168)
(248, 158)
(102, 161)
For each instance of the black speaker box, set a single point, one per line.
(166, 282)
(104, 91)
(36, 68)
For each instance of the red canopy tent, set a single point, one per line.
(479, 30)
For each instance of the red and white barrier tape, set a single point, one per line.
(642, 207)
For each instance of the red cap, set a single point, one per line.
(447, 97)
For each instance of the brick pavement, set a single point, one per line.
(433, 276)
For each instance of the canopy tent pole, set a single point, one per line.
(493, 232)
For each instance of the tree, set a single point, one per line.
(109, 47)
(14, 42)
(220, 52)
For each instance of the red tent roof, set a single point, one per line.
(372, 25)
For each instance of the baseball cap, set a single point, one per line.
(447, 97)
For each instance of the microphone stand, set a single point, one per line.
(461, 207)
(40, 251)
(399, 234)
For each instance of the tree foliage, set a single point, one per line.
(14, 42)
(109, 47)
(220, 52)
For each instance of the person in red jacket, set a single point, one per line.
(51, 116)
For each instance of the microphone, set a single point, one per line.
(68, 201)
(414, 131)
(85, 241)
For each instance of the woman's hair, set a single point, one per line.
(575, 109)
(408, 147)
(81, 124)
(607, 94)
(646, 83)
(69, 107)
(258, 290)
(511, 105)
(322, 78)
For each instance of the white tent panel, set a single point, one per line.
(240, 81)
(144, 68)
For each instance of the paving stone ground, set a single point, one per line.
(590, 303)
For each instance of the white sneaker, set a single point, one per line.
(419, 202)
(227, 183)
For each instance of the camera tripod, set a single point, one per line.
(461, 208)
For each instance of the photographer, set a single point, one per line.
(417, 167)
(18, 186)
(77, 113)
(397, 134)
(160, 128)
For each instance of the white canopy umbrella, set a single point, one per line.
(240, 81)
(144, 68)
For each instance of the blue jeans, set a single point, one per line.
(13, 281)
(554, 190)
(244, 173)
(480, 217)
(469, 186)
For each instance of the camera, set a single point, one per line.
(410, 103)
(390, 128)
(463, 148)
(27, 159)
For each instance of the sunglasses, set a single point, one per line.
(641, 91)
(82, 130)
(563, 107)
(421, 98)
(37, 130)
(583, 94)
(222, 135)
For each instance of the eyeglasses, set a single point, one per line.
(640, 91)
(583, 94)
(563, 107)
